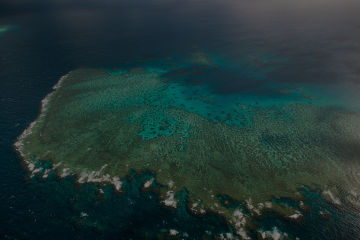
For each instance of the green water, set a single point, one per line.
(247, 145)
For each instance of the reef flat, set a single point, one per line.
(232, 152)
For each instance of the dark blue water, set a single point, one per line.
(319, 40)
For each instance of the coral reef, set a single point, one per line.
(222, 148)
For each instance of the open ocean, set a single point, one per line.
(315, 42)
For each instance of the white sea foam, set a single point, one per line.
(82, 177)
(275, 234)
(268, 204)
(117, 183)
(56, 165)
(239, 220)
(249, 204)
(148, 183)
(31, 166)
(84, 214)
(194, 206)
(296, 215)
(98, 177)
(36, 170)
(65, 172)
(173, 232)
(334, 199)
(95, 176)
(19, 144)
(46, 173)
(170, 200)
(227, 236)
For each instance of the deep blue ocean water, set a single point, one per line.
(315, 42)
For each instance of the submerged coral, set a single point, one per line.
(99, 124)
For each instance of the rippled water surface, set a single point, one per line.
(258, 47)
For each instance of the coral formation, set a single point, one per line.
(222, 148)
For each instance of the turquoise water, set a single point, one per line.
(260, 47)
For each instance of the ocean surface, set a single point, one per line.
(313, 43)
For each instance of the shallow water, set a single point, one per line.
(313, 45)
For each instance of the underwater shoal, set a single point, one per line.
(244, 147)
